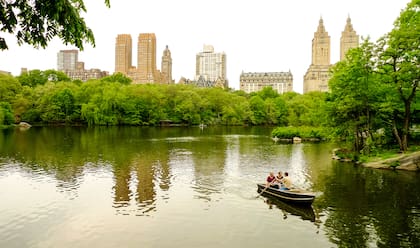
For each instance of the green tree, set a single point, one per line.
(37, 22)
(9, 87)
(257, 106)
(38, 77)
(118, 78)
(354, 90)
(6, 114)
(399, 62)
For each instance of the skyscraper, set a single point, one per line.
(317, 75)
(123, 53)
(146, 58)
(67, 60)
(210, 66)
(349, 39)
(166, 67)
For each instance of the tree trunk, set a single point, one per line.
(406, 125)
(396, 134)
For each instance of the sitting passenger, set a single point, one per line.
(271, 179)
(279, 179)
(287, 183)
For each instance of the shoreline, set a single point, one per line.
(407, 162)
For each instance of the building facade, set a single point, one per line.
(317, 75)
(211, 66)
(67, 62)
(166, 67)
(281, 82)
(146, 58)
(123, 53)
(349, 39)
(67, 59)
(85, 75)
(146, 70)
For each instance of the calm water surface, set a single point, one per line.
(191, 187)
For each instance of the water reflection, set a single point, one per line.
(304, 212)
(365, 209)
(112, 179)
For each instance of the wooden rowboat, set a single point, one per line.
(292, 196)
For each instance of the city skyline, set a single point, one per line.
(269, 36)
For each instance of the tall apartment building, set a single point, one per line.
(349, 39)
(210, 66)
(123, 53)
(146, 58)
(281, 82)
(317, 75)
(146, 70)
(166, 66)
(67, 60)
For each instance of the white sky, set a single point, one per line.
(257, 36)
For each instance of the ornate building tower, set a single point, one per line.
(317, 75)
(166, 66)
(123, 53)
(349, 39)
(146, 58)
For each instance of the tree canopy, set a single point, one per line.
(36, 22)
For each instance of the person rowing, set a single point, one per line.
(287, 183)
(271, 181)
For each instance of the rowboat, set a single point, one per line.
(296, 196)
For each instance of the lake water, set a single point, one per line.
(192, 187)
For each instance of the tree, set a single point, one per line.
(9, 87)
(36, 22)
(6, 114)
(117, 77)
(38, 77)
(399, 62)
(353, 91)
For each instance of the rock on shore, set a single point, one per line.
(409, 162)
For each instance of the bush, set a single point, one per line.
(6, 114)
(302, 132)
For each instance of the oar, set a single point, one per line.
(262, 191)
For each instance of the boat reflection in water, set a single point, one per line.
(306, 212)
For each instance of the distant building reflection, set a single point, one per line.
(135, 189)
(122, 190)
(209, 164)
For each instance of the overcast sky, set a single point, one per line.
(257, 36)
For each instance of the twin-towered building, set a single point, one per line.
(146, 70)
(317, 75)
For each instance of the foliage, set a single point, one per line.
(304, 132)
(117, 77)
(398, 61)
(356, 96)
(9, 87)
(37, 22)
(6, 114)
(36, 77)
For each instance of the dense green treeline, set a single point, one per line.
(53, 99)
(372, 101)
